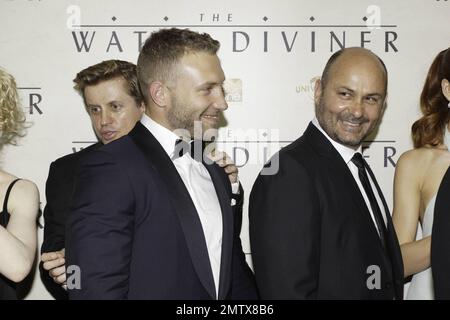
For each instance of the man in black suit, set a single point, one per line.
(114, 103)
(320, 227)
(151, 217)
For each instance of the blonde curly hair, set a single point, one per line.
(12, 118)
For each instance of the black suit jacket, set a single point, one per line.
(311, 234)
(440, 241)
(135, 233)
(58, 192)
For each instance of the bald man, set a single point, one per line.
(320, 227)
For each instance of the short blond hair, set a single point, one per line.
(164, 49)
(107, 70)
(12, 117)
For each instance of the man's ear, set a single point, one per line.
(445, 85)
(158, 93)
(142, 107)
(317, 91)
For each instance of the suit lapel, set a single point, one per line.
(227, 227)
(339, 170)
(392, 241)
(181, 202)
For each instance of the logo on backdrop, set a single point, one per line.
(233, 90)
(312, 35)
(32, 100)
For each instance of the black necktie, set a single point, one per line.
(195, 149)
(360, 164)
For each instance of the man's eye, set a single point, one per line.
(94, 110)
(344, 94)
(115, 106)
(372, 99)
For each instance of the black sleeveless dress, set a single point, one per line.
(440, 241)
(7, 287)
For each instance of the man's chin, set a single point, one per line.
(351, 143)
(349, 140)
(207, 133)
(210, 133)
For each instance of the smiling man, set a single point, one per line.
(320, 227)
(150, 220)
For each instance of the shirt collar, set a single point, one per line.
(164, 136)
(345, 152)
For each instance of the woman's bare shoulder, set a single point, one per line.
(24, 196)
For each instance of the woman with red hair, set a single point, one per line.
(419, 176)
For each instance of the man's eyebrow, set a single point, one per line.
(374, 94)
(114, 101)
(345, 88)
(209, 84)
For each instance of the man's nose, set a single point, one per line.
(106, 117)
(220, 102)
(356, 108)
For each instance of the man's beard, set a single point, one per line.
(330, 128)
(180, 118)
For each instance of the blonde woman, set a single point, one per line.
(19, 199)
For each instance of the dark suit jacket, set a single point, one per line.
(311, 234)
(440, 241)
(58, 192)
(135, 233)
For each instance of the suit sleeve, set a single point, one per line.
(237, 209)
(99, 230)
(58, 192)
(285, 232)
(243, 283)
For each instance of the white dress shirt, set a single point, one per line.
(198, 182)
(347, 154)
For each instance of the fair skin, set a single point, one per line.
(112, 110)
(350, 105)
(113, 114)
(195, 95)
(418, 175)
(18, 241)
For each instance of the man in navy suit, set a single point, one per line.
(151, 217)
(114, 103)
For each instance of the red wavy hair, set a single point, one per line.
(429, 129)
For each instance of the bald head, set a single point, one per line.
(342, 59)
(351, 96)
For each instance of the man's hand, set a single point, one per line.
(223, 160)
(54, 263)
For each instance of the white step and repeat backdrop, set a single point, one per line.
(271, 52)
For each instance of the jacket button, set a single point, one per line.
(388, 285)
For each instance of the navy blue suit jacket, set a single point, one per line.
(135, 234)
